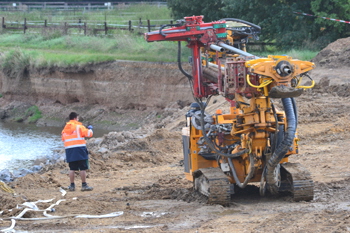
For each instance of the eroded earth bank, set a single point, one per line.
(139, 174)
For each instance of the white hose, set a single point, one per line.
(10, 229)
(110, 215)
(33, 207)
(64, 192)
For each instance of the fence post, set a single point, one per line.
(106, 29)
(79, 26)
(24, 26)
(129, 25)
(65, 30)
(148, 25)
(85, 28)
(45, 23)
(3, 23)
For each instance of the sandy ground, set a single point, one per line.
(142, 180)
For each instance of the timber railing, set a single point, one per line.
(92, 28)
(72, 5)
(83, 27)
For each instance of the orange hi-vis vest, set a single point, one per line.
(73, 134)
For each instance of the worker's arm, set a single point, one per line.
(86, 132)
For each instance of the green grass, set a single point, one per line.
(80, 50)
(14, 63)
(34, 113)
(35, 50)
(52, 48)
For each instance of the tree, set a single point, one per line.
(212, 10)
(328, 30)
(277, 18)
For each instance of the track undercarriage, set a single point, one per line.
(214, 184)
(296, 180)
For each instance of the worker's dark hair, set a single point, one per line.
(73, 115)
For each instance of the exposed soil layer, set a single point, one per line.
(140, 173)
(118, 95)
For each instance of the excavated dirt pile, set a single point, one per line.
(335, 55)
(138, 175)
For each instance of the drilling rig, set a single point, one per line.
(251, 142)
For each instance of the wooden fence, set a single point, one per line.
(82, 26)
(93, 29)
(72, 5)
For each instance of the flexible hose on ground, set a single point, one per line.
(10, 229)
(33, 207)
(283, 147)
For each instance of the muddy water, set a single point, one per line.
(21, 144)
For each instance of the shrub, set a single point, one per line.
(34, 114)
(15, 63)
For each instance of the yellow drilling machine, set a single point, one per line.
(251, 141)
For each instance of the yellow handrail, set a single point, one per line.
(305, 87)
(264, 84)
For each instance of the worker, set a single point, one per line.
(77, 156)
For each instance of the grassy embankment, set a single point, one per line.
(39, 48)
(53, 48)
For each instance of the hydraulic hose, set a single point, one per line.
(295, 112)
(179, 62)
(243, 21)
(276, 133)
(210, 143)
(283, 147)
(248, 177)
(167, 25)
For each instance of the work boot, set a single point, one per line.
(71, 187)
(86, 188)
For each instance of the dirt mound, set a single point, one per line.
(8, 201)
(324, 86)
(335, 55)
(129, 149)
